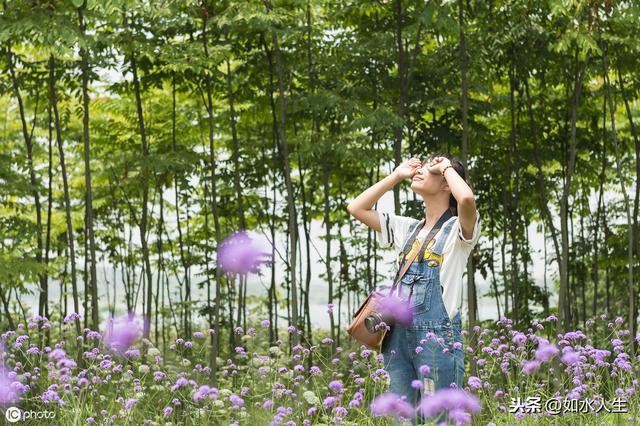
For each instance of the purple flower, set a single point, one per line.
(531, 367)
(570, 358)
(330, 401)
(236, 400)
(130, 403)
(122, 332)
(181, 382)
(57, 354)
(396, 308)
(339, 411)
(335, 386)
(474, 382)
(265, 323)
(330, 307)
(132, 353)
(50, 395)
(390, 404)
(546, 351)
(461, 417)
(205, 392)
(416, 384)
(239, 254)
(72, 317)
(167, 411)
(10, 389)
(519, 338)
(449, 399)
(424, 370)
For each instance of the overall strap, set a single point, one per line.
(439, 246)
(412, 233)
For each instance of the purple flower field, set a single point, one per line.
(118, 378)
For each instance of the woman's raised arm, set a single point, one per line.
(361, 206)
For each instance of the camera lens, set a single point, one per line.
(372, 321)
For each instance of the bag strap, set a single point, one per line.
(405, 266)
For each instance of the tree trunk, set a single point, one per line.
(185, 265)
(87, 177)
(306, 221)
(235, 158)
(67, 199)
(306, 226)
(544, 201)
(513, 200)
(327, 226)
(159, 300)
(49, 211)
(472, 301)
(215, 338)
(627, 205)
(503, 258)
(595, 266)
(85, 272)
(273, 296)
(28, 140)
(636, 200)
(145, 196)
(399, 129)
(7, 310)
(293, 225)
(563, 302)
(583, 260)
(494, 281)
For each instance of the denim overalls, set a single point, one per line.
(432, 332)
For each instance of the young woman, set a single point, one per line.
(427, 354)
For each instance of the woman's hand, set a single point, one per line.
(437, 165)
(408, 168)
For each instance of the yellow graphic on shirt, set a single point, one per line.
(432, 259)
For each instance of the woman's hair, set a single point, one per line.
(459, 168)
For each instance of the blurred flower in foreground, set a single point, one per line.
(239, 254)
(452, 400)
(390, 404)
(546, 351)
(9, 388)
(122, 332)
(396, 308)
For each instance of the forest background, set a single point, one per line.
(137, 135)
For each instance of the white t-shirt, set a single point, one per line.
(455, 252)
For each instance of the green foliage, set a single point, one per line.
(341, 81)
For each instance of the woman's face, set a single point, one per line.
(424, 182)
